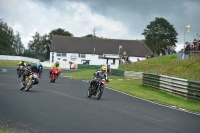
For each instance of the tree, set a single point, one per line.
(17, 44)
(37, 48)
(6, 38)
(59, 32)
(160, 34)
(90, 36)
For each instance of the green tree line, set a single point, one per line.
(158, 34)
(10, 43)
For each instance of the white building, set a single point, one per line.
(95, 51)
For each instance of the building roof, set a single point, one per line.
(83, 45)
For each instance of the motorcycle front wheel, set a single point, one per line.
(53, 78)
(19, 74)
(29, 85)
(89, 93)
(99, 92)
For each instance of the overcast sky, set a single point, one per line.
(115, 19)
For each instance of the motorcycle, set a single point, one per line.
(97, 89)
(54, 75)
(20, 71)
(29, 81)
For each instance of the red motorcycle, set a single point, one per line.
(54, 74)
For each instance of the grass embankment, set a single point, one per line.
(10, 63)
(163, 65)
(167, 65)
(3, 131)
(6, 63)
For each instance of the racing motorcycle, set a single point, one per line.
(20, 71)
(97, 89)
(54, 75)
(29, 81)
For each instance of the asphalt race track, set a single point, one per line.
(63, 107)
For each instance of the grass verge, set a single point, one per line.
(135, 88)
(8, 63)
(3, 131)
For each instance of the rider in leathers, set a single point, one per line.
(21, 63)
(40, 68)
(56, 65)
(99, 74)
(27, 73)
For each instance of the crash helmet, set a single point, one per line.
(57, 63)
(29, 64)
(103, 68)
(37, 65)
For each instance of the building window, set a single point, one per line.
(64, 54)
(58, 54)
(61, 54)
(81, 55)
(100, 56)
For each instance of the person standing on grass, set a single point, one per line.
(186, 52)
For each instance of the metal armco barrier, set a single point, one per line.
(194, 90)
(83, 66)
(173, 85)
(117, 72)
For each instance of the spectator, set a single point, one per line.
(196, 45)
(120, 59)
(138, 60)
(186, 52)
(163, 51)
(199, 45)
(123, 59)
(127, 60)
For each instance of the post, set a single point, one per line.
(119, 50)
(184, 37)
(24, 51)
